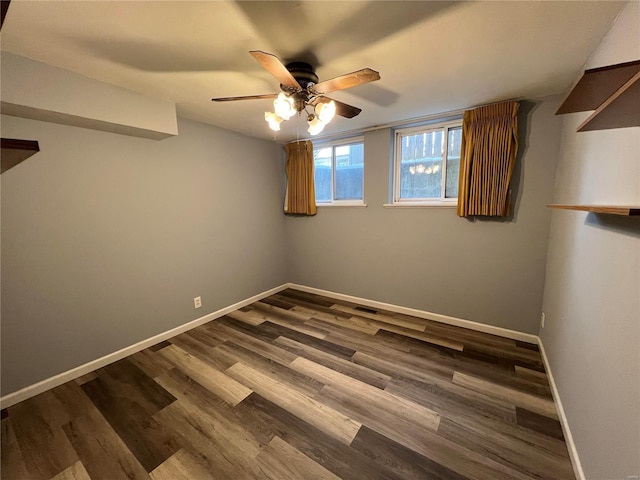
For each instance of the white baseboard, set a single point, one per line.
(437, 317)
(571, 446)
(56, 380)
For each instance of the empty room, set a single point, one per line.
(295, 240)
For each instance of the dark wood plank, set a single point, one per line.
(149, 362)
(446, 357)
(421, 440)
(539, 423)
(279, 302)
(329, 420)
(12, 464)
(519, 356)
(185, 464)
(203, 351)
(275, 331)
(353, 370)
(366, 309)
(312, 298)
(159, 346)
(403, 364)
(507, 450)
(202, 335)
(45, 449)
(130, 383)
(281, 461)
(266, 349)
(533, 376)
(476, 410)
(214, 380)
(257, 331)
(449, 399)
(293, 320)
(147, 439)
(347, 463)
(536, 403)
(399, 459)
(285, 375)
(101, 450)
(205, 424)
(187, 389)
(318, 310)
(527, 345)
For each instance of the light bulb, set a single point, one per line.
(283, 106)
(315, 126)
(273, 120)
(420, 168)
(326, 111)
(412, 170)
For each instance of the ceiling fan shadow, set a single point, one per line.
(376, 94)
(151, 56)
(293, 29)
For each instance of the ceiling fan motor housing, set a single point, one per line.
(303, 73)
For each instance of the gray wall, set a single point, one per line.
(106, 239)
(428, 258)
(592, 292)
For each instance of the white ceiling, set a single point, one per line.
(433, 57)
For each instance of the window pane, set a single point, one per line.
(322, 163)
(349, 171)
(421, 165)
(453, 162)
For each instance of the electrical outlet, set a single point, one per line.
(197, 302)
(542, 320)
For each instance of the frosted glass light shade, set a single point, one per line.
(273, 120)
(326, 111)
(315, 126)
(283, 106)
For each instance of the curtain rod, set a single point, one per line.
(426, 118)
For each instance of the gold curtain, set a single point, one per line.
(488, 155)
(301, 195)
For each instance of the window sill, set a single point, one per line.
(350, 205)
(420, 205)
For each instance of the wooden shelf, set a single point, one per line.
(16, 151)
(612, 91)
(625, 210)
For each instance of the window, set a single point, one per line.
(339, 173)
(427, 164)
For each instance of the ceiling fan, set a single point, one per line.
(300, 89)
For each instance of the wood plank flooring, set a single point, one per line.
(299, 386)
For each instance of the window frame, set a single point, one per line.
(333, 144)
(400, 133)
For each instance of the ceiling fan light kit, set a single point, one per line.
(284, 110)
(300, 89)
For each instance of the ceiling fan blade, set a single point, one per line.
(274, 66)
(349, 80)
(247, 97)
(342, 109)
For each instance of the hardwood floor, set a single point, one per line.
(299, 386)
